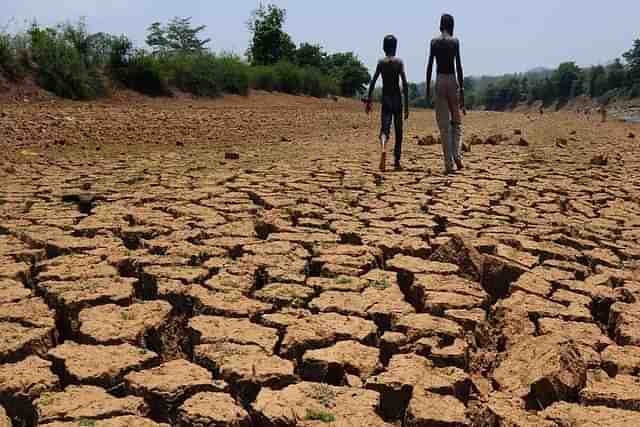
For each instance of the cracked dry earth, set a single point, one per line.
(241, 263)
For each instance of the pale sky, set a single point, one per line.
(497, 36)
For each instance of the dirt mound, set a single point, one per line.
(24, 91)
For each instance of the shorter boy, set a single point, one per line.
(392, 69)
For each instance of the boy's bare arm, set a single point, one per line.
(460, 74)
(372, 86)
(405, 90)
(459, 69)
(429, 74)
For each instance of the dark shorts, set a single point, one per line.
(391, 112)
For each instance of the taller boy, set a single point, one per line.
(392, 69)
(445, 49)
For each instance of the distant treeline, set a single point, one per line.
(73, 63)
(620, 78)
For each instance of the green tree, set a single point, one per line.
(633, 59)
(548, 93)
(597, 81)
(616, 75)
(577, 87)
(524, 89)
(350, 72)
(564, 78)
(177, 36)
(311, 55)
(269, 44)
(414, 91)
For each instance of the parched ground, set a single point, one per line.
(242, 262)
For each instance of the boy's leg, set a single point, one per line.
(442, 117)
(398, 122)
(385, 131)
(456, 124)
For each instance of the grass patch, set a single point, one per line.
(324, 416)
(87, 423)
(381, 284)
(343, 280)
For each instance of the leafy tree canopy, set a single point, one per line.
(269, 44)
(178, 36)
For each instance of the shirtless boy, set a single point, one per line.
(445, 49)
(392, 69)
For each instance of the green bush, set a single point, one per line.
(10, 66)
(205, 74)
(233, 74)
(192, 73)
(317, 84)
(289, 78)
(263, 78)
(143, 73)
(62, 68)
(73, 63)
(635, 91)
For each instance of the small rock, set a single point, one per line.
(632, 135)
(517, 132)
(600, 160)
(476, 140)
(562, 142)
(523, 142)
(493, 140)
(428, 140)
(229, 155)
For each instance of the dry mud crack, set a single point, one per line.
(263, 273)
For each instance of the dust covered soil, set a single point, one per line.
(242, 262)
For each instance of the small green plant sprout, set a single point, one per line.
(381, 284)
(324, 416)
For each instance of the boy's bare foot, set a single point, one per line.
(459, 164)
(398, 167)
(383, 162)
